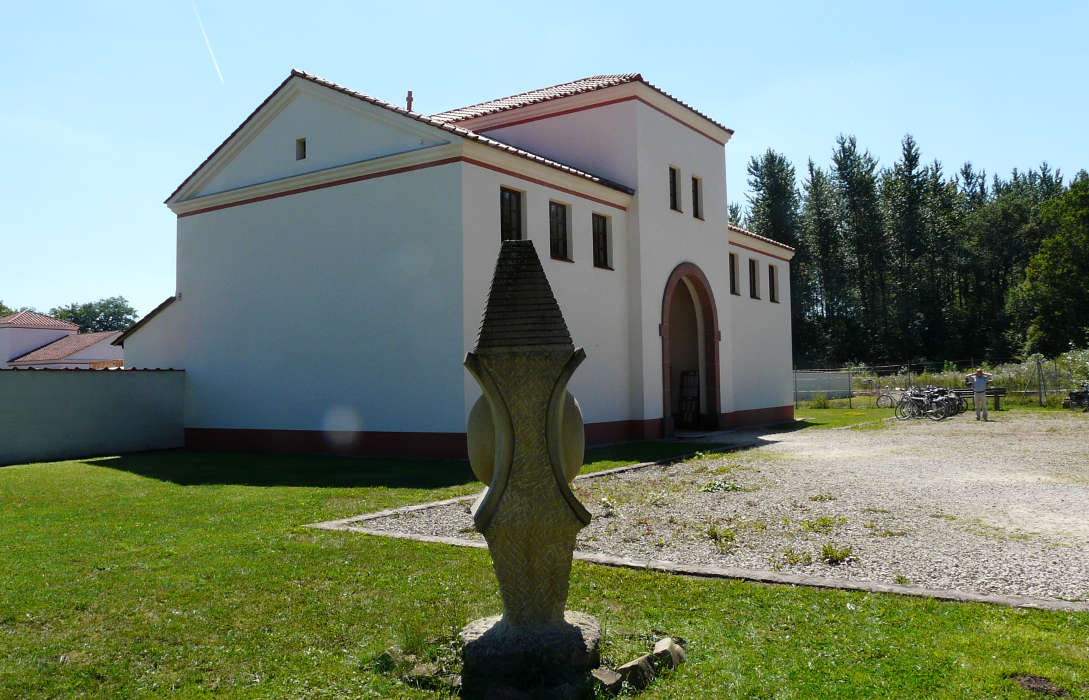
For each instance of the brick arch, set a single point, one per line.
(691, 273)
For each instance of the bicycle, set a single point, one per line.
(885, 399)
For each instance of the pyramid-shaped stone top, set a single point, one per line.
(521, 311)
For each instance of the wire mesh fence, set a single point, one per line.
(1034, 380)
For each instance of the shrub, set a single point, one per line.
(820, 401)
(719, 485)
(834, 556)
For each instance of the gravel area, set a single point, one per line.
(996, 507)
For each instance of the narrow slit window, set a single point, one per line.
(300, 149)
(600, 225)
(674, 189)
(754, 279)
(773, 284)
(559, 243)
(510, 214)
(733, 275)
(697, 198)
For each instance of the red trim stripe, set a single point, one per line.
(527, 178)
(396, 171)
(335, 183)
(636, 98)
(770, 255)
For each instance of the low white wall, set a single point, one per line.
(57, 414)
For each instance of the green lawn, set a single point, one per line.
(840, 417)
(181, 574)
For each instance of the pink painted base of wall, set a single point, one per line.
(433, 445)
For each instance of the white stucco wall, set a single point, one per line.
(327, 309)
(338, 129)
(668, 238)
(601, 140)
(593, 300)
(56, 414)
(760, 357)
(15, 342)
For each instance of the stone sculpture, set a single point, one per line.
(525, 439)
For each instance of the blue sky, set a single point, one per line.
(110, 105)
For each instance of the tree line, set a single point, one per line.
(109, 314)
(909, 264)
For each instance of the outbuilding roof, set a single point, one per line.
(757, 236)
(33, 319)
(65, 347)
(575, 87)
(120, 339)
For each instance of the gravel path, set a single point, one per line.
(997, 507)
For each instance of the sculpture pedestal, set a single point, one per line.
(547, 661)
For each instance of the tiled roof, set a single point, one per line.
(575, 87)
(759, 237)
(33, 319)
(464, 133)
(66, 346)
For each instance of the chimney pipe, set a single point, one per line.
(408, 100)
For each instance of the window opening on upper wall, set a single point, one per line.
(602, 250)
(559, 236)
(300, 149)
(674, 189)
(510, 214)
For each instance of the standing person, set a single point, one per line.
(979, 388)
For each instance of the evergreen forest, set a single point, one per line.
(909, 263)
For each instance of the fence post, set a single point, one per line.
(850, 389)
(1039, 381)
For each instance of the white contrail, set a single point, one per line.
(207, 43)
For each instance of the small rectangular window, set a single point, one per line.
(601, 241)
(697, 198)
(773, 284)
(510, 215)
(300, 149)
(733, 275)
(754, 279)
(674, 189)
(559, 242)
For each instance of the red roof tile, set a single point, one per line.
(575, 87)
(33, 319)
(464, 133)
(66, 346)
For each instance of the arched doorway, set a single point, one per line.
(690, 359)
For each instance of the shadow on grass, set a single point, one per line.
(192, 468)
(198, 468)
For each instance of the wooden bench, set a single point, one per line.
(998, 392)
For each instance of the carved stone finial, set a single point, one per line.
(525, 439)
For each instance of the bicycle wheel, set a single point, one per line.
(885, 401)
(901, 411)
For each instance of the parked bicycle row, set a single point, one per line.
(935, 403)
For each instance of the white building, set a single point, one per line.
(335, 251)
(30, 340)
